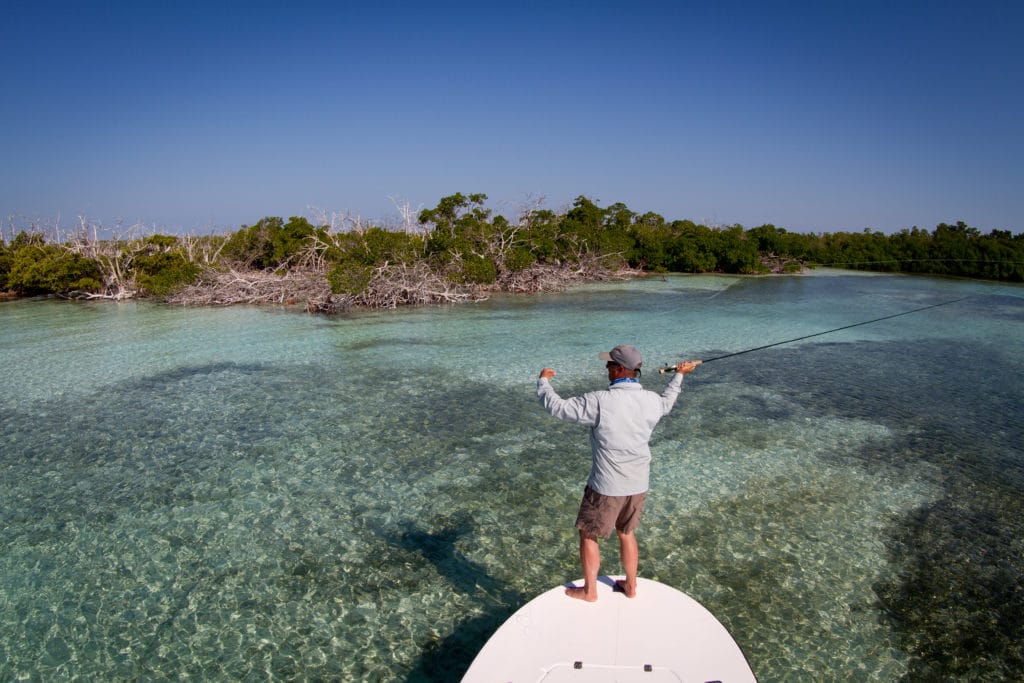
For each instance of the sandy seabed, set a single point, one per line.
(262, 495)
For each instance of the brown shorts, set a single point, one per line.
(599, 514)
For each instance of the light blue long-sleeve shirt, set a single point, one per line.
(621, 420)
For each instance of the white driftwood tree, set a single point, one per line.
(113, 256)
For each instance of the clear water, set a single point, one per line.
(253, 494)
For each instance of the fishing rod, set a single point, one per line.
(669, 368)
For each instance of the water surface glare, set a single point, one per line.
(255, 494)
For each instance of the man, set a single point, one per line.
(621, 420)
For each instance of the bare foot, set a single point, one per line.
(580, 593)
(621, 585)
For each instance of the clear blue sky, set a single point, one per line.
(814, 116)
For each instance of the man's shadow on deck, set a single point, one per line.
(448, 659)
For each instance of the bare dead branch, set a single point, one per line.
(113, 256)
(226, 288)
(410, 217)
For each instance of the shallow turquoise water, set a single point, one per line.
(258, 494)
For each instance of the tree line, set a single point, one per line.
(461, 250)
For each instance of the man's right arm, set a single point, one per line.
(580, 409)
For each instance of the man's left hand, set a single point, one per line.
(687, 366)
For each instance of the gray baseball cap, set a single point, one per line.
(626, 355)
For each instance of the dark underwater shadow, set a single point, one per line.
(956, 605)
(449, 658)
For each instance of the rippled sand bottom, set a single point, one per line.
(250, 494)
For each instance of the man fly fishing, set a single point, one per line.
(621, 419)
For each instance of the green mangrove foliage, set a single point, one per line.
(30, 266)
(163, 266)
(460, 246)
(269, 243)
(354, 257)
(955, 249)
(87, 267)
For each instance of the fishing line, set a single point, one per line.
(818, 334)
(921, 260)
